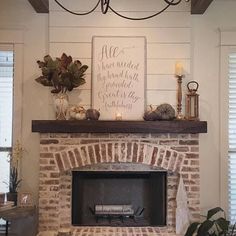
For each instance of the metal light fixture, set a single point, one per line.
(105, 5)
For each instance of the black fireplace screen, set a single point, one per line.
(119, 198)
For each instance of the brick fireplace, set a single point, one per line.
(62, 153)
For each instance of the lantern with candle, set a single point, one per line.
(192, 101)
(179, 75)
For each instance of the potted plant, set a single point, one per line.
(14, 181)
(215, 224)
(63, 75)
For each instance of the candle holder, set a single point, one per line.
(192, 101)
(179, 98)
(118, 116)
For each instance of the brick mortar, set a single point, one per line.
(63, 152)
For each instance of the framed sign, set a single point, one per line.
(119, 77)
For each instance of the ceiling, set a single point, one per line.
(197, 6)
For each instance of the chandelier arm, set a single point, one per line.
(75, 13)
(172, 3)
(105, 6)
(141, 18)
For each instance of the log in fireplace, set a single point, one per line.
(142, 193)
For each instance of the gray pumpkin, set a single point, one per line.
(92, 114)
(149, 115)
(165, 112)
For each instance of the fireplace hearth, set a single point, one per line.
(62, 154)
(143, 193)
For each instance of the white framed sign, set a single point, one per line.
(119, 77)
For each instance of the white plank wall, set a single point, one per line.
(168, 41)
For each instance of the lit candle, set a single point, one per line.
(178, 69)
(118, 116)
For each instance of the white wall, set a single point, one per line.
(206, 69)
(168, 40)
(19, 16)
(173, 36)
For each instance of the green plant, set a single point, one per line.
(15, 156)
(62, 73)
(214, 225)
(14, 182)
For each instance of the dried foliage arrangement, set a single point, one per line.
(62, 73)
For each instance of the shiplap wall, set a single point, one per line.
(168, 41)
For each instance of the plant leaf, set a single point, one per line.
(205, 227)
(72, 68)
(192, 229)
(52, 65)
(213, 211)
(65, 60)
(44, 81)
(77, 82)
(223, 224)
(78, 63)
(232, 230)
(47, 58)
(14, 182)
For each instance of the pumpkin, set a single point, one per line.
(72, 112)
(77, 113)
(165, 112)
(81, 114)
(149, 114)
(92, 114)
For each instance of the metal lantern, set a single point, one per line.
(192, 101)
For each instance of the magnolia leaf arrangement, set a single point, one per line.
(214, 225)
(62, 73)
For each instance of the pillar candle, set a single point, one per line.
(178, 69)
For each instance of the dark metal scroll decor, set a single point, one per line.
(105, 5)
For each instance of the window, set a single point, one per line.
(11, 65)
(232, 135)
(6, 110)
(227, 137)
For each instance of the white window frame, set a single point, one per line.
(9, 47)
(227, 46)
(15, 39)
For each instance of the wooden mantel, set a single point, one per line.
(86, 126)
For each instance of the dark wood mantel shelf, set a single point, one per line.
(85, 126)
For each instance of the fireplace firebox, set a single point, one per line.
(116, 198)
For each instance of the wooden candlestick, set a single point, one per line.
(179, 98)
